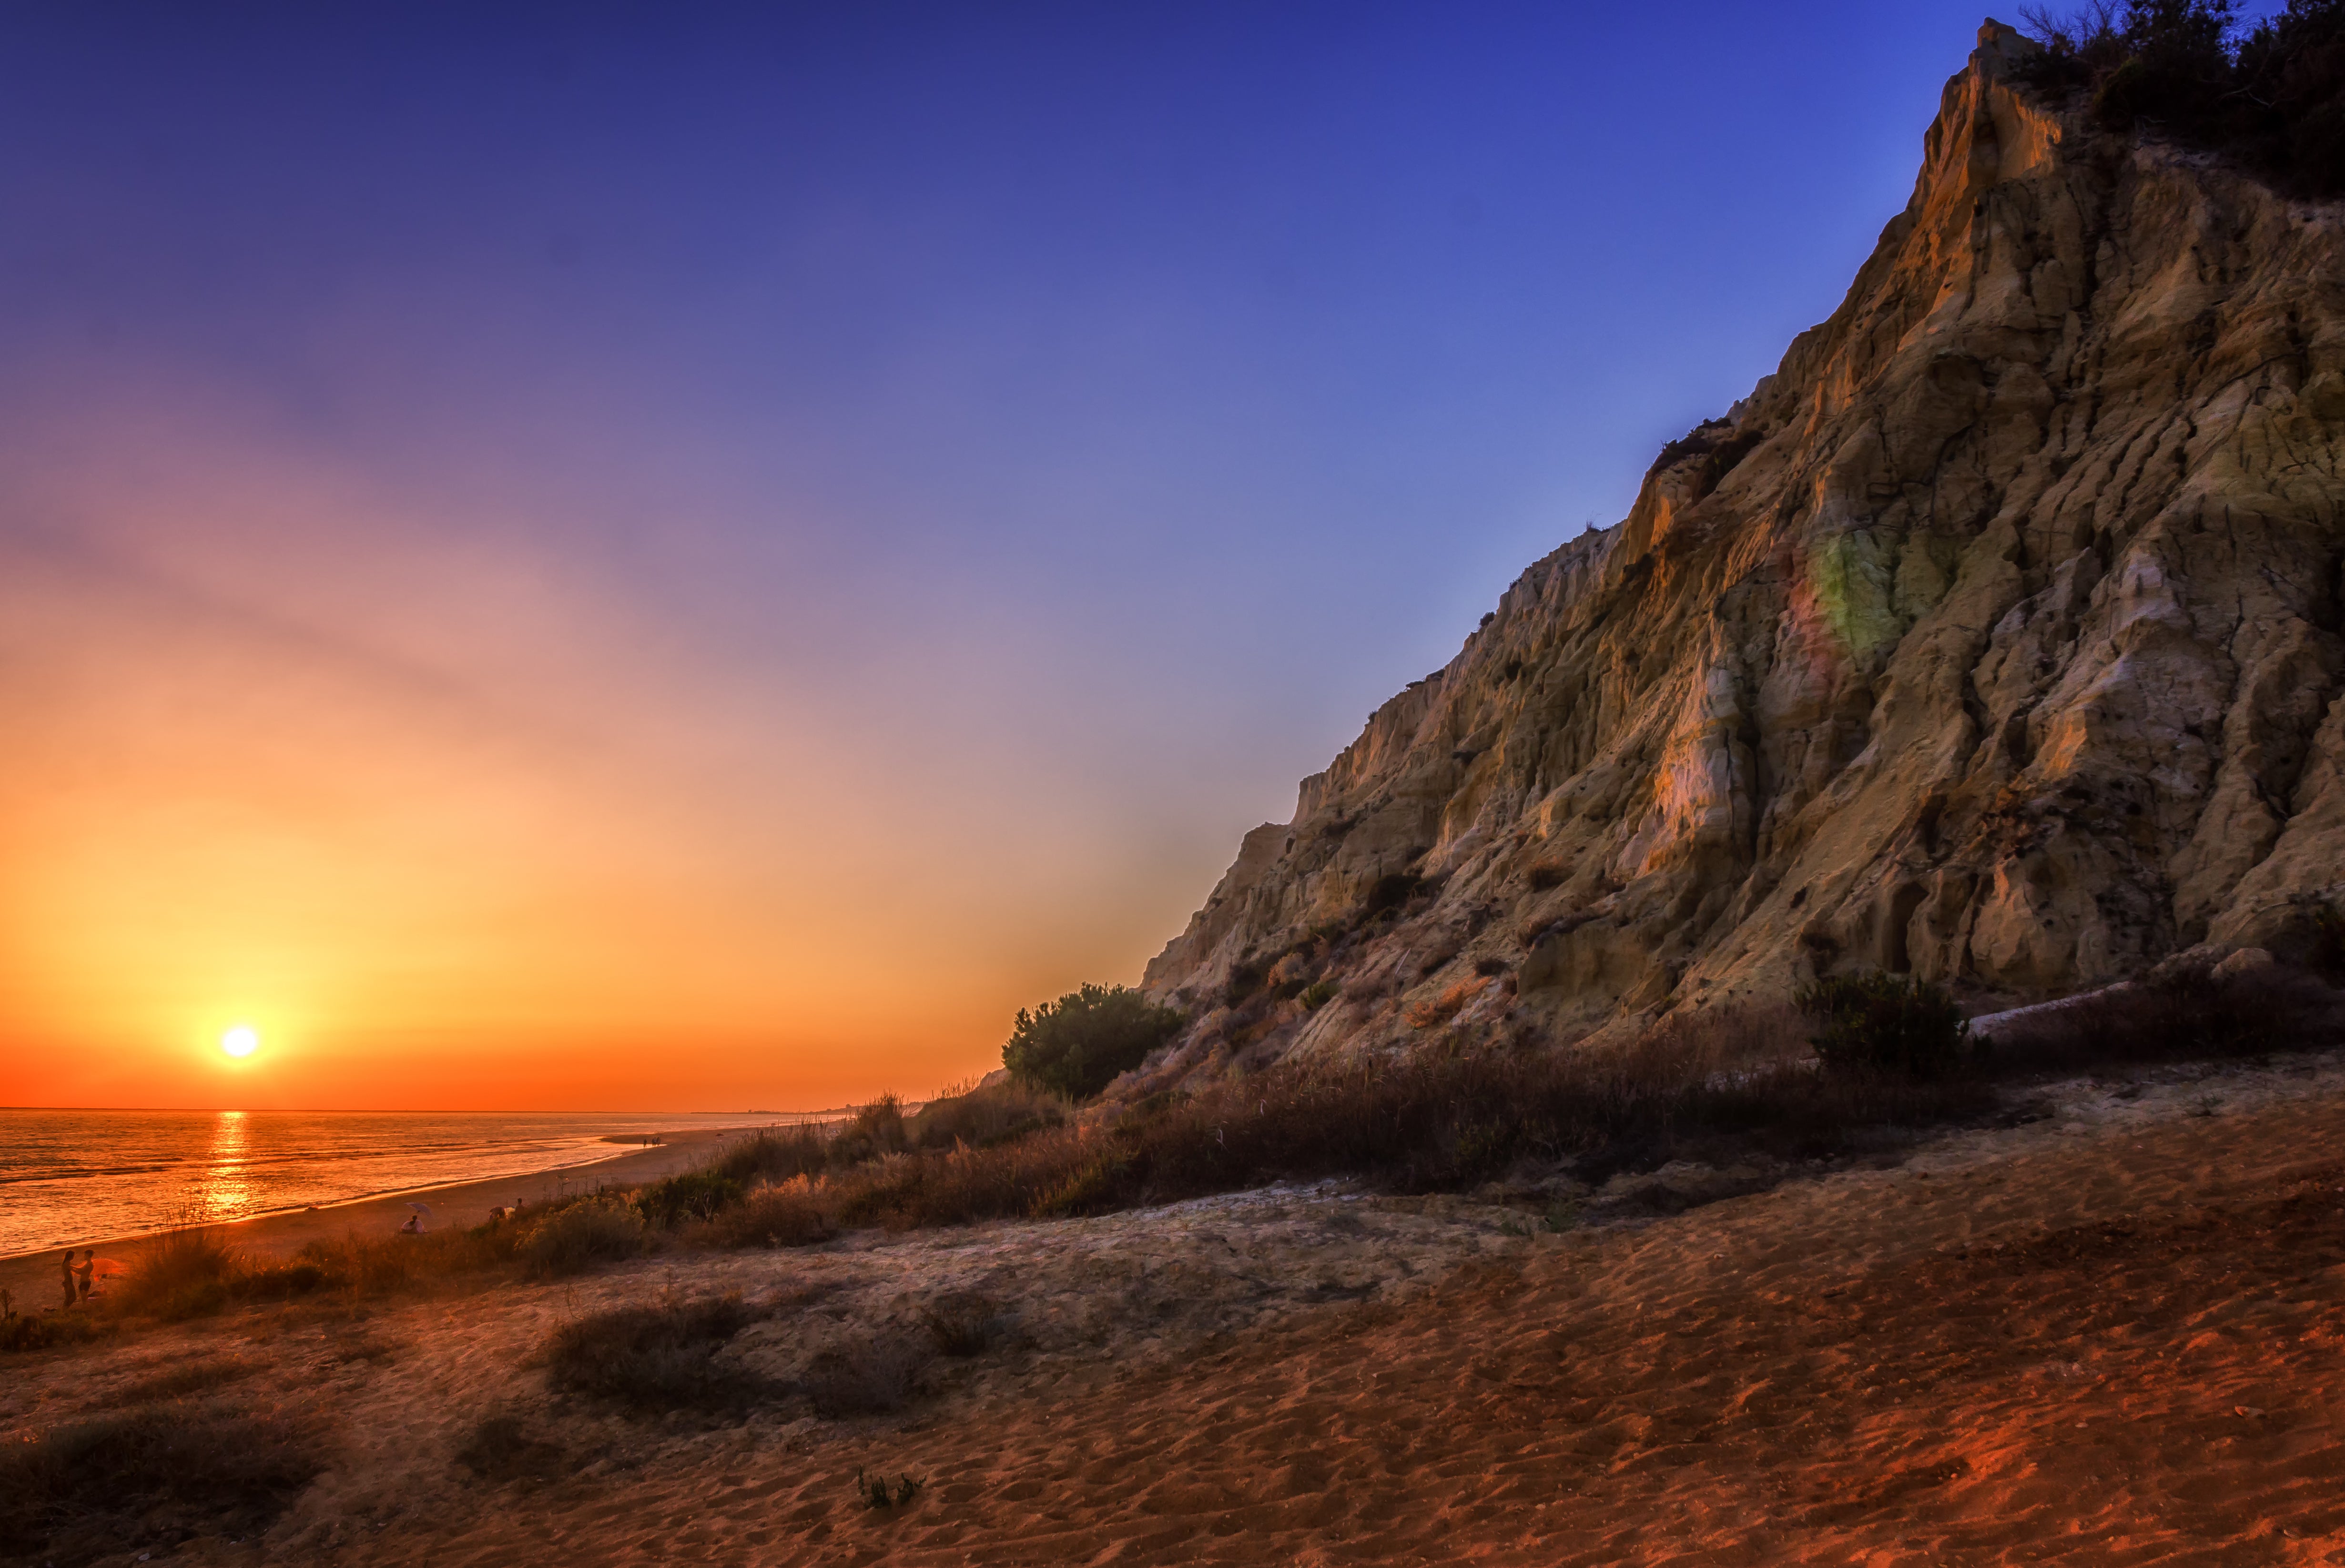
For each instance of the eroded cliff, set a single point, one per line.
(1996, 637)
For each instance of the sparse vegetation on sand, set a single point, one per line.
(878, 1493)
(1876, 1060)
(150, 1474)
(1889, 1054)
(501, 1447)
(657, 1358)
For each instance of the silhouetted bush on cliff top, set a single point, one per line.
(2274, 99)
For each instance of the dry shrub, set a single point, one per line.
(604, 1229)
(871, 1376)
(1733, 1080)
(104, 1486)
(185, 1272)
(981, 1117)
(1726, 1083)
(49, 1331)
(686, 1196)
(658, 1358)
(776, 1154)
(1426, 1015)
(962, 1185)
(787, 1215)
(963, 1323)
(501, 1447)
(368, 1265)
(2192, 1016)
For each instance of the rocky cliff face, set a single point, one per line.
(1995, 638)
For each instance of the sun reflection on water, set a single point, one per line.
(225, 1189)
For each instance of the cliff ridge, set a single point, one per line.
(1995, 638)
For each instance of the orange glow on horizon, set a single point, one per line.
(452, 825)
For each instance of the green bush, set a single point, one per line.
(1077, 1045)
(1882, 1023)
(1317, 994)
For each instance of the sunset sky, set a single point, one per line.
(689, 557)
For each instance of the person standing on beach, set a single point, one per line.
(72, 1295)
(86, 1272)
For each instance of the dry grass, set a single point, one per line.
(201, 1377)
(154, 1475)
(1743, 1081)
(787, 1215)
(2192, 1017)
(876, 1375)
(1727, 1084)
(52, 1329)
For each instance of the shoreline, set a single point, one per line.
(30, 1277)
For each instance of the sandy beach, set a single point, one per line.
(33, 1278)
(2108, 1333)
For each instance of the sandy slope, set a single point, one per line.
(2110, 1337)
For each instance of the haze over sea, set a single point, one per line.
(71, 1178)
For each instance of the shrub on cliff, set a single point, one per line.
(1077, 1045)
(2275, 99)
(1891, 1024)
(981, 1117)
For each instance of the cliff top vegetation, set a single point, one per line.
(2273, 96)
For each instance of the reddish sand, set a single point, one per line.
(2111, 1345)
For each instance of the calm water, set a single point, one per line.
(81, 1176)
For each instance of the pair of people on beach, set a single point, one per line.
(78, 1276)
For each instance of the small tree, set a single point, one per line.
(1886, 1024)
(1078, 1043)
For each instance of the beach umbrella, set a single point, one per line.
(423, 1209)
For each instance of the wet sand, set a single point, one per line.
(33, 1279)
(2112, 1335)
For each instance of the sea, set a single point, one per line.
(77, 1176)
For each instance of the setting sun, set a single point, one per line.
(241, 1040)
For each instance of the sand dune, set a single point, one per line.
(2110, 1336)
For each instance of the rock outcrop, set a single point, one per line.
(1995, 638)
